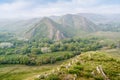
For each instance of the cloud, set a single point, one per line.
(37, 8)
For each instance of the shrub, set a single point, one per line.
(98, 78)
(41, 77)
(74, 71)
(53, 77)
(79, 67)
(87, 75)
(78, 63)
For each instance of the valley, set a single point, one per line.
(68, 47)
(83, 68)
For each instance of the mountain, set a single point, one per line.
(16, 25)
(104, 22)
(60, 27)
(77, 24)
(46, 28)
(101, 18)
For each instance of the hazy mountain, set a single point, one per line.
(104, 22)
(16, 25)
(46, 28)
(77, 23)
(101, 18)
(61, 27)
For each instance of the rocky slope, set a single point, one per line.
(64, 27)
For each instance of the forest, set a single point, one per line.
(47, 51)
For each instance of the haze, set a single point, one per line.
(37, 8)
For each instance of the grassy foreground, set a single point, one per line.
(87, 66)
(23, 72)
(81, 67)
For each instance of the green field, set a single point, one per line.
(23, 72)
(107, 35)
(88, 63)
(85, 67)
(113, 52)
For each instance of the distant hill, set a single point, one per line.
(105, 22)
(77, 24)
(16, 25)
(60, 27)
(46, 28)
(101, 18)
(64, 27)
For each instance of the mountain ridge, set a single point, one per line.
(66, 26)
(60, 27)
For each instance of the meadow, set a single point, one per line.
(24, 72)
(83, 65)
(92, 65)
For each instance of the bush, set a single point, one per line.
(74, 71)
(87, 75)
(53, 77)
(59, 58)
(78, 63)
(41, 77)
(99, 78)
(79, 67)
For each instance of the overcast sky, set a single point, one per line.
(37, 8)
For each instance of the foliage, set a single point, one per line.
(33, 59)
(30, 53)
(53, 77)
(85, 68)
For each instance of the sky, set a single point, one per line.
(40, 8)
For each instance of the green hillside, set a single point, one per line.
(87, 66)
(68, 47)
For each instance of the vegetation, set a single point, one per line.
(6, 36)
(113, 27)
(69, 47)
(37, 52)
(86, 65)
(76, 44)
(48, 58)
(20, 72)
(29, 55)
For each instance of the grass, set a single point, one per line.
(113, 52)
(87, 63)
(20, 72)
(107, 35)
(109, 63)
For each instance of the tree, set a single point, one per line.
(36, 51)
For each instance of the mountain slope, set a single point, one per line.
(78, 22)
(54, 27)
(17, 26)
(74, 25)
(46, 28)
(87, 66)
(60, 27)
(101, 18)
(104, 22)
